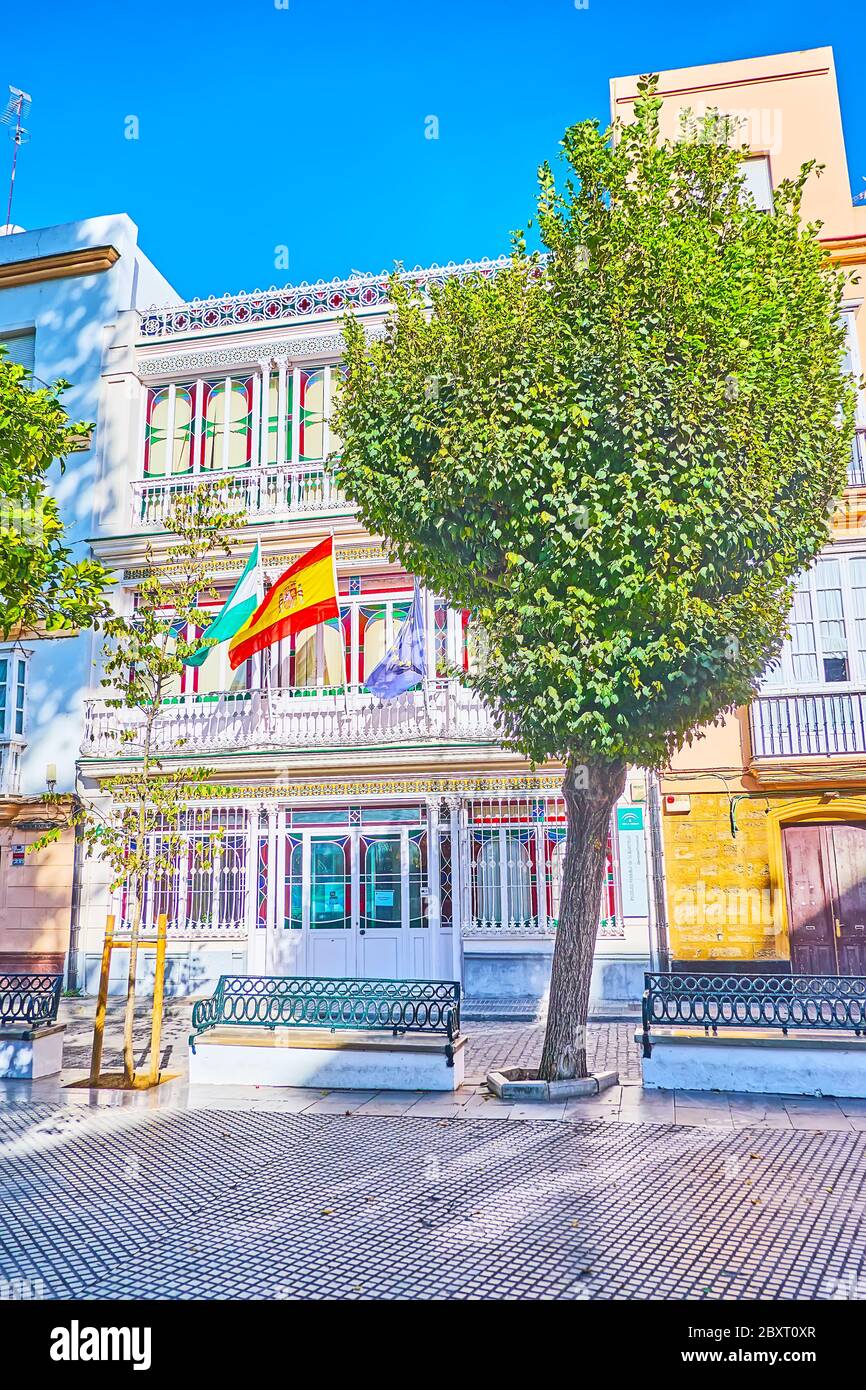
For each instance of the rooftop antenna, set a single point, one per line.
(16, 108)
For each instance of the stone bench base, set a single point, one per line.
(805, 1064)
(315, 1057)
(26, 1055)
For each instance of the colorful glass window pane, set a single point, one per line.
(161, 456)
(293, 901)
(312, 418)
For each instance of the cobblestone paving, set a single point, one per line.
(118, 1203)
(611, 1046)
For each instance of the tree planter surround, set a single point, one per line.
(522, 1083)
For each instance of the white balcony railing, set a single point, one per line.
(791, 726)
(283, 719)
(857, 466)
(277, 490)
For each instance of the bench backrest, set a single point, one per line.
(299, 1001)
(754, 1001)
(29, 1000)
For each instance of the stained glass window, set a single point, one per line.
(311, 443)
(417, 878)
(293, 902)
(164, 417)
(228, 418)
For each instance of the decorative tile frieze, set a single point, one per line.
(325, 297)
(234, 565)
(443, 785)
(241, 352)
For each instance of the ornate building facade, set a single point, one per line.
(359, 837)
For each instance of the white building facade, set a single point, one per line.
(359, 837)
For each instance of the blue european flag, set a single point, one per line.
(404, 663)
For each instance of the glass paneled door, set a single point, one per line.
(328, 900)
(353, 904)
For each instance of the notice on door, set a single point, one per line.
(632, 861)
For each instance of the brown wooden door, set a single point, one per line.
(825, 871)
(849, 896)
(810, 903)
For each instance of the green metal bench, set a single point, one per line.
(29, 1001)
(286, 1001)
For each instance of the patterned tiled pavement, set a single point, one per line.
(111, 1202)
(274, 1193)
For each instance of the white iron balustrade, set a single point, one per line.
(278, 490)
(786, 726)
(291, 718)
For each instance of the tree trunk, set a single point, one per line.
(591, 792)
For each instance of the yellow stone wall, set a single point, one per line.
(719, 895)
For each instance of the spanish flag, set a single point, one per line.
(302, 597)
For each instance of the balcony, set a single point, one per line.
(277, 720)
(808, 726)
(857, 466)
(276, 491)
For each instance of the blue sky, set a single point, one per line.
(303, 126)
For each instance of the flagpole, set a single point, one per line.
(340, 624)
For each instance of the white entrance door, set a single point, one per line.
(350, 903)
(391, 920)
(328, 904)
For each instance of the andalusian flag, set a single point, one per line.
(238, 608)
(302, 597)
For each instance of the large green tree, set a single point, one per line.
(42, 587)
(618, 456)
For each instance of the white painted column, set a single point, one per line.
(434, 889)
(326, 413)
(281, 412)
(272, 869)
(227, 400)
(296, 416)
(355, 638)
(197, 425)
(354, 957)
(457, 905)
(306, 899)
(217, 869)
(504, 905)
(257, 937)
(256, 420)
(264, 414)
(404, 962)
(541, 875)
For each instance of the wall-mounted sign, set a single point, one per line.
(634, 899)
(18, 856)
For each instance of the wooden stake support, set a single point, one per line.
(113, 943)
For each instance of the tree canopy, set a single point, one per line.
(618, 454)
(41, 586)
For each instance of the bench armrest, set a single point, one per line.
(205, 1014)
